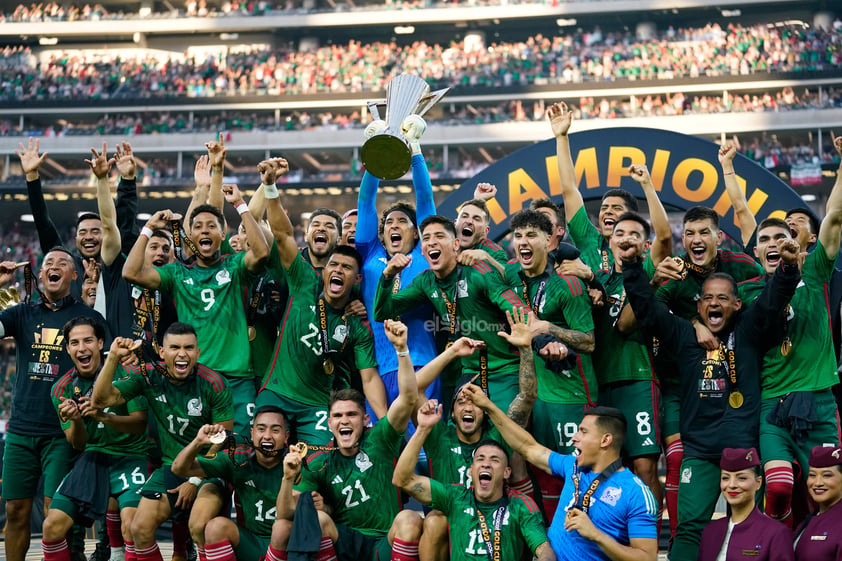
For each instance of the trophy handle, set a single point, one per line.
(374, 108)
(428, 101)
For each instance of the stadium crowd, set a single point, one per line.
(357, 67)
(542, 389)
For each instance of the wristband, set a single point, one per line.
(146, 231)
(727, 173)
(242, 208)
(195, 480)
(403, 353)
(270, 191)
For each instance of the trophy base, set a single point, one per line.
(386, 156)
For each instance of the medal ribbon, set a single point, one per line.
(324, 335)
(534, 303)
(254, 303)
(606, 264)
(177, 241)
(701, 272)
(493, 547)
(396, 286)
(729, 363)
(584, 503)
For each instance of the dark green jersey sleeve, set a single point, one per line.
(388, 305)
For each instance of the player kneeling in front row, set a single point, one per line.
(354, 476)
(255, 476)
(486, 520)
(114, 442)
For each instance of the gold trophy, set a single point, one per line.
(387, 153)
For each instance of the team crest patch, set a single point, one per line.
(194, 407)
(686, 475)
(340, 333)
(223, 277)
(611, 495)
(362, 461)
(462, 289)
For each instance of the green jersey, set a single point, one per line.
(450, 458)
(359, 488)
(618, 357)
(810, 361)
(494, 250)
(297, 369)
(521, 523)
(211, 300)
(594, 247)
(480, 298)
(256, 487)
(180, 410)
(563, 301)
(102, 437)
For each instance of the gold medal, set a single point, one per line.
(736, 399)
(252, 332)
(328, 366)
(786, 346)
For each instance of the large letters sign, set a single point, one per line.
(684, 169)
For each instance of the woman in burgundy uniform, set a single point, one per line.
(747, 533)
(820, 536)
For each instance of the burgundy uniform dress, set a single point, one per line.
(821, 538)
(758, 537)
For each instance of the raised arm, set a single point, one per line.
(388, 305)
(105, 394)
(185, 463)
(462, 347)
(126, 203)
(402, 408)
(279, 221)
(418, 486)
(216, 158)
(745, 219)
(515, 436)
(287, 497)
(829, 231)
(521, 338)
(135, 269)
(424, 204)
(111, 240)
(662, 244)
(202, 177)
(258, 250)
(560, 119)
(30, 162)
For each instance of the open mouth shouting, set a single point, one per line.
(336, 283)
(434, 256)
(466, 235)
(484, 479)
(84, 360)
(395, 240)
(90, 246)
(182, 367)
(525, 255)
(773, 257)
(320, 240)
(608, 224)
(697, 254)
(205, 243)
(716, 318)
(267, 448)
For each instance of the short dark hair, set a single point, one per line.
(210, 209)
(180, 328)
(634, 217)
(772, 222)
(438, 219)
(610, 420)
(98, 326)
(350, 252)
(629, 199)
(725, 277)
(271, 409)
(529, 218)
(695, 213)
(324, 211)
(161, 233)
(547, 203)
(347, 394)
(814, 222)
(401, 206)
(61, 249)
(480, 204)
(495, 444)
(87, 216)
